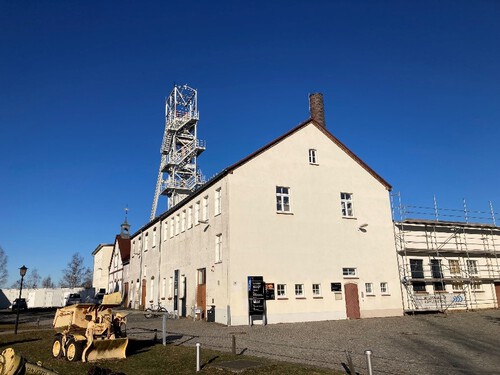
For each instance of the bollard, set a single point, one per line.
(164, 329)
(233, 346)
(38, 322)
(369, 361)
(198, 356)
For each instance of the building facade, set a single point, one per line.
(102, 259)
(304, 214)
(448, 265)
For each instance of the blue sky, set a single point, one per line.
(412, 87)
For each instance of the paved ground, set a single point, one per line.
(454, 343)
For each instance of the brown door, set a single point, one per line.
(125, 295)
(497, 292)
(352, 301)
(201, 292)
(143, 295)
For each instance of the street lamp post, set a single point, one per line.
(22, 272)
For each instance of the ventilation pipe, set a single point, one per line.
(317, 109)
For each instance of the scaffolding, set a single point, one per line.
(447, 258)
(178, 174)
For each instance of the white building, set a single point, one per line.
(303, 212)
(102, 259)
(119, 263)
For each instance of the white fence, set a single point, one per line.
(44, 297)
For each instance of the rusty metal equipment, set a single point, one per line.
(13, 364)
(90, 332)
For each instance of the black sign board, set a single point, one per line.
(256, 290)
(336, 287)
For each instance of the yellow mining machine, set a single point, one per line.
(89, 332)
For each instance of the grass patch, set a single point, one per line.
(143, 357)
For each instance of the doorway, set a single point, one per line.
(352, 301)
(201, 291)
(143, 295)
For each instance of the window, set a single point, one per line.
(454, 266)
(475, 285)
(172, 225)
(299, 290)
(417, 272)
(163, 288)
(190, 217)
(205, 208)
(282, 199)
(218, 248)
(170, 284)
(316, 290)
(218, 202)
(197, 213)
(281, 290)
(384, 287)
(472, 267)
(152, 290)
(457, 284)
(165, 226)
(183, 221)
(437, 273)
(336, 287)
(346, 204)
(177, 224)
(312, 156)
(154, 237)
(349, 272)
(369, 288)
(146, 242)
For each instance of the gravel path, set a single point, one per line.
(453, 343)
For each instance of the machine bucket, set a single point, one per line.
(108, 349)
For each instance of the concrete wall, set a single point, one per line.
(43, 297)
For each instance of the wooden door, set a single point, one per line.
(352, 301)
(497, 292)
(143, 295)
(201, 292)
(125, 295)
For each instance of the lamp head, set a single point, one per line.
(22, 270)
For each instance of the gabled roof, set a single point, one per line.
(100, 246)
(329, 135)
(261, 150)
(124, 245)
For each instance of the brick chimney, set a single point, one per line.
(317, 109)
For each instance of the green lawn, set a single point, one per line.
(143, 357)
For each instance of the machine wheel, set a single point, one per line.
(57, 347)
(148, 313)
(74, 350)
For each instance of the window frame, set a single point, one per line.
(283, 205)
(346, 272)
(281, 291)
(384, 288)
(297, 288)
(369, 289)
(218, 201)
(313, 156)
(218, 248)
(347, 205)
(316, 289)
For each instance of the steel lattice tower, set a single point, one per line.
(179, 149)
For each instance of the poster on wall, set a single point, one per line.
(269, 291)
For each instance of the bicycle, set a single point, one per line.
(150, 311)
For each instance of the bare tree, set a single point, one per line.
(74, 274)
(3, 267)
(32, 280)
(48, 283)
